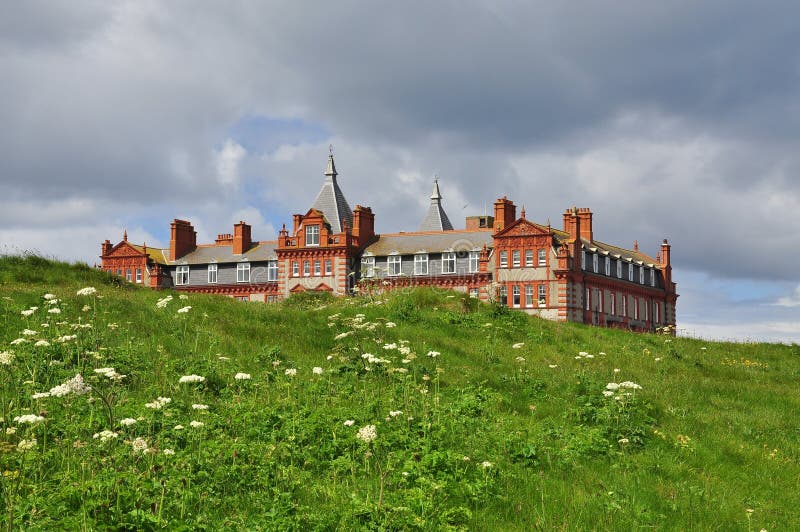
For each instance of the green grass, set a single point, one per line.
(485, 441)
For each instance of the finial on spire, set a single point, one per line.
(124, 235)
(330, 149)
(523, 212)
(548, 222)
(330, 170)
(436, 196)
(636, 245)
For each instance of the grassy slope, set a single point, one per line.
(712, 433)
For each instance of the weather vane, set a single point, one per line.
(330, 149)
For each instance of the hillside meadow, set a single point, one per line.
(129, 409)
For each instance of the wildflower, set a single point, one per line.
(110, 373)
(349, 423)
(486, 464)
(601, 353)
(630, 385)
(127, 422)
(623, 441)
(329, 357)
(616, 370)
(400, 370)
(40, 395)
(88, 291)
(290, 372)
(390, 346)
(49, 297)
(582, 354)
(140, 446)
(169, 452)
(53, 302)
(657, 359)
(11, 430)
(404, 350)
(184, 310)
(6, 358)
(518, 345)
(191, 379)
(612, 386)
(390, 324)
(86, 308)
(520, 359)
(74, 386)
(159, 403)
(433, 354)
(276, 363)
(316, 370)
(198, 406)
(367, 433)
(66, 338)
(220, 357)
(163, 302)
(342, 335)
(608, 393)
(552, 366)
(196, 424)
(28, 332)
(54, 311)
(27, 313)
(242, 377)
(18, 341)
(31, 419)
(26, 445)
(178, 427)
(42, 343)
(183, 296)
(105, 435)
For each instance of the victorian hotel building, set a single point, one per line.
(560, 274)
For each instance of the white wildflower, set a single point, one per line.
(349, 423)
(159, 403)
(105, 435)
(616, 370)
(183, 297)
(30, 419)
(486, 464)
(54, 311)
(196, 424)
(342, 335)
(367, 433)
(433, 354)
(623, 441)
(74, 386)
(26, 445)
(657, 359)
(11, 431)
(630, 385)
(127, 422)
(290, 372)
(242, 377)
(88, 291)
(582, 354)
(6, 358)
(49, 297)
(40, 395)
(395, 413)
(520, 359)
(608, 393)
(140, 446)
(42, 343)
(612, 386)
(28, 332)
(169, 452)
(198, 406)
(191, 379)
(86, 308)
(53, 302)
(18, 341)
(518, 345)
(390, 324)
(552, 366)
(27, 313)
(163, 302)
(220, 357)
(178, 427)
(316, 370)
(390, 346)
(184, 310)
(110, 373)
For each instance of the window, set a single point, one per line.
(619, 269)
(529, 258)
(588, 292)
(635, 309)
(641, 274)
(613, 304)
(646, 310)
(625, 306)
(128, 275)
(515, 258)
(594, 263)
(542, 257)
(272, 270)
(306, 268)
(504, 259)
(421, 264)
(395, 265)
(515, 295)
(528, 295)
(368, 266)
(212, 273)
(474, 261)
(473, 293)
(503, 297)
(608, 266)
(182, 275)
(312, 235)
(138, 275)
(542, 295)
(652, 278)
(599, 295)
(657, 312)
(295, 269)
(243, 272)
(583, 260)
(317, 268)
(630, 272)
(449, 262)
(328, 267)
(119, 272)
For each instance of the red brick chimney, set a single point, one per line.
(585, 216)
(505, 212)
(666, 267)
(241, 238)
(363, 224)
(572, 223)
(105, 248)
(182, 239)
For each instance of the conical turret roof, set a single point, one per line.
(436, 219)
(331, 201)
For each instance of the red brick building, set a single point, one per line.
(560, 274)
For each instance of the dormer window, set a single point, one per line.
(641, 275)
(367, 267)
(421, 264)
(449, 262)
(619, 269)
(595, 260)
(608, 266)
(474, 261)
(312, 235)
(630, 272)
(243, 272)
(395, 265)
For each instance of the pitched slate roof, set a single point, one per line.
(157, 255)
(436, 219)
(331, 201)
(429, 242)
(617, 252)
(206, 254)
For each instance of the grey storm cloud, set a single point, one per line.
(673, 120)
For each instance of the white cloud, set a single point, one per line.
(790, 301)
(228, 162)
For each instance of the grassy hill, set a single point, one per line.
(416, 410)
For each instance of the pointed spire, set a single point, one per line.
(436, 195)
(124, 235)
(330, 171)
(523, 212)
(331, 201)
(636, 245)
(436, 219)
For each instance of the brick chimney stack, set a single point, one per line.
(572, 223)
(585, 216)
(106, 248)
(505, 212)
(666, 267)
(241, 238)
(363, 224)
(182, 240)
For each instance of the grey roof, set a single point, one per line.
(429, 242)
(620, 253)
(331, 201)
(261, 251)
(436, 219)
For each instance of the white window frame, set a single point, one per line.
(595, 260)
(619, 269)
(504, 259)
(395, 264)
(529, 295)
(328, 267)
(474, 261)
(653, 277)
(138, 275)
(625, 305)
(515, 259)
(635, 309)
(474, 293)
(529, 258)
(449, 257)
(312, 235)
(641, 274)
(421, 264)
(272, 270)
(295, 269)
(317, 268)
(182, 275)
(128, 275)
(212, 273)
(516, 296)
(306, 268)
(242, 272)
(542, 257)
(542, 295)
(503, 295)
(608, 266)
(588, 299)
(613, 303)
(367, 267)
(630, 271)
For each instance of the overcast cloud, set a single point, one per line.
(679, 121)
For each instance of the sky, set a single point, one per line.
(677, 121)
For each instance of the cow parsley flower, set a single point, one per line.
(520, 359)
(290, 372)
(26, 445)
(183, 297)
(608, 393)
(163, 302)
(110, 373)
(11, 430)
(198, 406)
(86, 308)
(552, 366)
(42, 343)
(184, 310)
(342, 335)
(28, 332)
(74, 386)
(88, 291)
(140, 446)
(390, 346)
(6, 358)
(191, 379)
(316, 370)
(169, 452)
(390, 324)
(54, 311)
(349, 423)
(49, 297)
(630, 385)
(105, 435)
(178, 427)
(242, 376)
(30, 419)
(40, 395)
(367, 433)
(18, 341)
(127, 422)
(518, 345)
(159, 403)
(486, 464)
(395, 413)
(196, 424)
(613, 386)
(27, 313)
